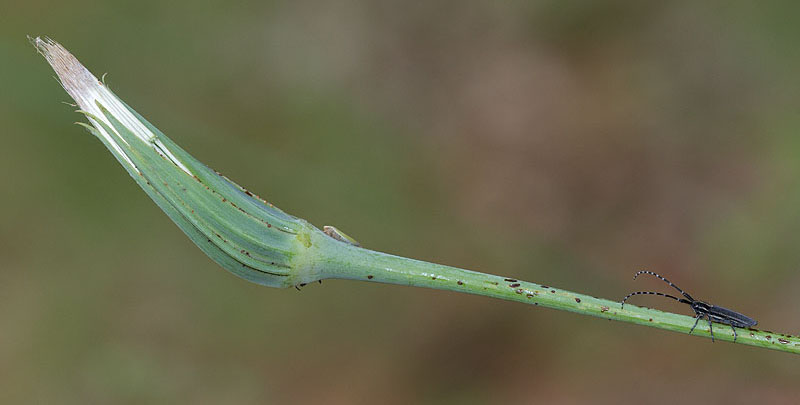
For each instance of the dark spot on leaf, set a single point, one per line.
(514, 285)
(553, 291)
(578, 300)
(784, 341)
(370, 277)
(545, 287)
(604, 308)
(459, 282)
(510, 280)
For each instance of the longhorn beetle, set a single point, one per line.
(701, 309)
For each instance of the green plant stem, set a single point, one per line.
(350, 262)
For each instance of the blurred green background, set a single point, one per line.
(567, 143)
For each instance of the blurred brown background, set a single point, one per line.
(567, 143)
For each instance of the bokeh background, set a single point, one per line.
(567, 143)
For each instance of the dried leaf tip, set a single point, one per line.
(90, 93)
(73, 76)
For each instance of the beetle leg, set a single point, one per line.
(710, 328)
(697, 319)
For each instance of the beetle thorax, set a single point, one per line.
(701, 307)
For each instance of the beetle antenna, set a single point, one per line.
(681, 300)
(684, 293)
